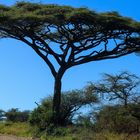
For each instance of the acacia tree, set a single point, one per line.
(64, 36)
(123, 86)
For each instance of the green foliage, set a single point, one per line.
(41, 116)
(84, 121)
(72, 101)
(68, 12)
(14, 115)
(37, 16)
(119, 119)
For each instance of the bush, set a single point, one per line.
(71, 102)
(84, 121)
(41, 116)
(119, 119)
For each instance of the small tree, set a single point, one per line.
(64, 36)
(123, 86)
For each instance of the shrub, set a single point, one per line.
(71, 102)
(119, 119)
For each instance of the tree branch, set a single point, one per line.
(35, 48)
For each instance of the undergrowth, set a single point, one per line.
(63, 133)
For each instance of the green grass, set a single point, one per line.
(69, 133)
(18, 129)
(74, 133)
(99, 136)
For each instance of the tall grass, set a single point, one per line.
(99, 136)
(17, 129)
(89, 134)
(68, 133)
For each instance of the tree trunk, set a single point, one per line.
(57, 100)
(125, 102)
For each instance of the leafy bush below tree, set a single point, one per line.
(71, 102)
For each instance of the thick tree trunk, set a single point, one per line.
(57, 100)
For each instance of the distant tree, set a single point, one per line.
(2, 114)
(14, 115)
(124, 87)
(72, 101)
(24, 115)
(64, 36)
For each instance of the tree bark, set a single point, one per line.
(125, 102)
(57, 98)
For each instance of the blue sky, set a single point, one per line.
(26, 79)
